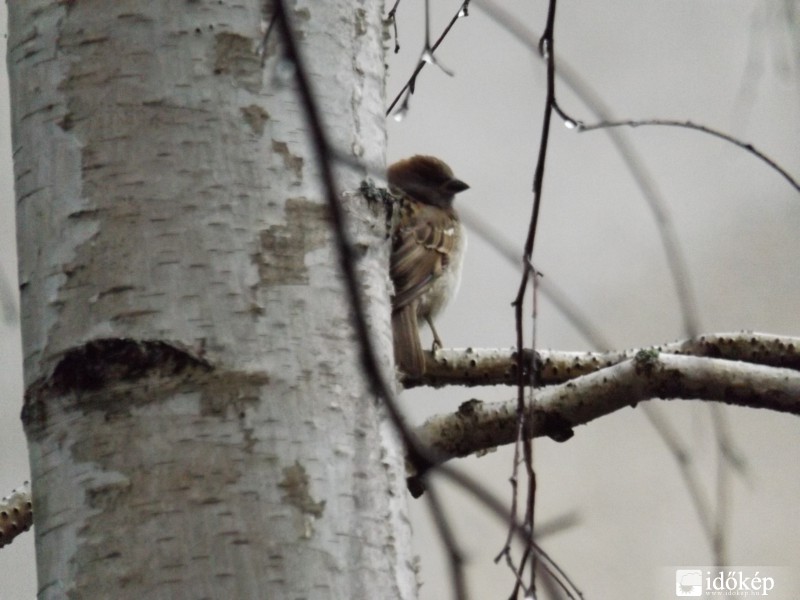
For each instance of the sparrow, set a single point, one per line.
(428, 245)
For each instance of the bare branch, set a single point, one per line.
(391, 17)
(581, 127)
(427, 56)
(479, 426)
(16, 514)
(497, 366)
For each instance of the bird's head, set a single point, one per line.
(426, 179)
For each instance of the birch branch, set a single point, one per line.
(16, 514)
(649, 374)
(493, 366)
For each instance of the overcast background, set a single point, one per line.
(729, 64)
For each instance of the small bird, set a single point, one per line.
(427, 250)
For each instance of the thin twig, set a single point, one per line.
(408, 88)
(427, 50)
(527, 444)
(392, 16)
(581, 127)
(558, 575)
(497, 508)
(547, 49)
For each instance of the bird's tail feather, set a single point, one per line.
(407, 347)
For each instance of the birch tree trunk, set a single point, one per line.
(197, 422)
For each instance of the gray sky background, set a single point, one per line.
(733, 65)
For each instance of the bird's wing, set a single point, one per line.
(420, 252)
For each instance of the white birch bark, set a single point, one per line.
(197, 421)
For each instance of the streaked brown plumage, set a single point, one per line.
(427, 250)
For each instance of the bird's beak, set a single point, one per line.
(454, 186)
